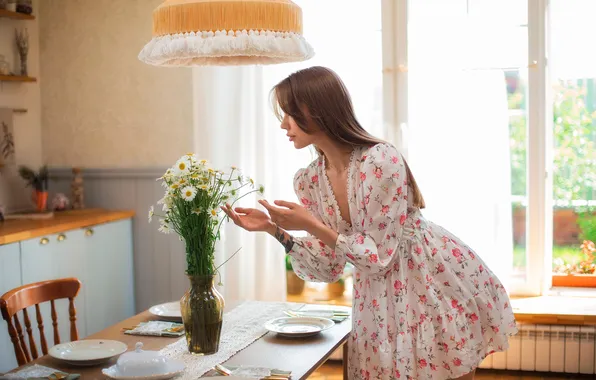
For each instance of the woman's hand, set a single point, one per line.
(290, 216)
(249, 218)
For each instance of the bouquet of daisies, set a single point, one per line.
(191, 207)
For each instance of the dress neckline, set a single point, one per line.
(340, 219)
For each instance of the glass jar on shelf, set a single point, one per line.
(4, 67)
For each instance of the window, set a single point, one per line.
(467, 121)
(501, 143)
(573, 86)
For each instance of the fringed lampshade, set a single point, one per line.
(226, 33)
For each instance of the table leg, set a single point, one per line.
(345, 360)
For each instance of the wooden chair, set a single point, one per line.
(33, 294)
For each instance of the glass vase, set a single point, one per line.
(202, 314)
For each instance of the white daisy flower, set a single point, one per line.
(192, 157)
(174, 186)
(189, 193)
(166, 175)
(167, 202)
(164, 228)
(151, 213)
(197, 211)
(213, 212)
(182, 165)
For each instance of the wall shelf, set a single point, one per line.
(15, 15)
(16, 78)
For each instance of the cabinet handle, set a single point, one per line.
(44, 241)
(89, 232)
(61, 237)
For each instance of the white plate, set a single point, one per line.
(173, 368)
(167, 311)
(298, 327)
(87, 352)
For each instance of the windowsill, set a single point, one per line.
(571, 292)
(563, 307)
(559, 306)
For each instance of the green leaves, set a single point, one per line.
(39, 181)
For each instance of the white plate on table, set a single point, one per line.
(167, 311)
(299, 327)
(87, 352)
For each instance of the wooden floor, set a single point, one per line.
(333, 371)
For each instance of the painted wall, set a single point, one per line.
(27, 126)
(102, 107)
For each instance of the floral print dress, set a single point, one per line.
(425, 306)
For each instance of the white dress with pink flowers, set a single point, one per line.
(425, 305)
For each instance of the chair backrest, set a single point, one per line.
(21, 298)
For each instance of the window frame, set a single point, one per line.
(539, 219)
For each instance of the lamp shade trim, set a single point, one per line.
(230, 48)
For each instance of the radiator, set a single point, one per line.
(548, 348)
(544, 348)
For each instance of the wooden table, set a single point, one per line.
(301, 356)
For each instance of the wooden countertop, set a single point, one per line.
(12, 231)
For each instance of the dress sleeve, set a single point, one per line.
(382, 212)
(312, 260)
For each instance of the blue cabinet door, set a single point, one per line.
(110, 282)
(10, 278)
(52, 257)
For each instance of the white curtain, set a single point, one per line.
(234, 125)
(458, 129)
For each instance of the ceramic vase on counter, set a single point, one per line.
(40, 199)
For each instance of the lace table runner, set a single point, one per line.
(241, 326)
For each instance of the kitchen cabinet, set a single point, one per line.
(10, 278)
(109, 294)
(100, 256)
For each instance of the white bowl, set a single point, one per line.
(87, 352)
(140, 364)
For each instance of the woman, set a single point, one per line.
(425, 305)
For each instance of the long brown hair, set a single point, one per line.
(317, 98)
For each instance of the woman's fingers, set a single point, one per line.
(289, 205)
(270, 208)
(243, 210)
(235, 217)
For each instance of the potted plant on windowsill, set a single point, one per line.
(336, 289)
(295, 285)
(582, 274)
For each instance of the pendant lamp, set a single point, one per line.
(226, 33)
